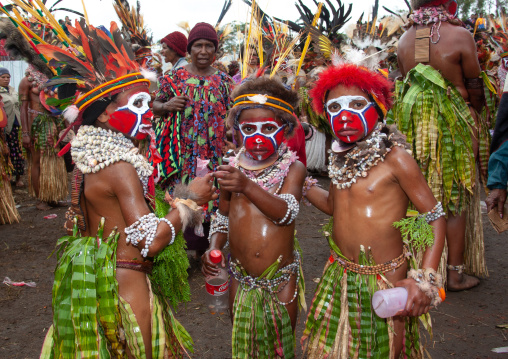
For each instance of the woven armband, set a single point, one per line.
(292, 211)
(429, 282)
(476, 83)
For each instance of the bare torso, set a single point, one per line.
(254, 239)
(452, 54)
(364, 214)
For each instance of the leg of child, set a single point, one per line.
(286, 295)
(133, 288)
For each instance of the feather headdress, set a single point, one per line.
(132, 21)
(105, 66)
(350, 75)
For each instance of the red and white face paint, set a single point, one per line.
(135, 118)
(351, 117)
(262, 136)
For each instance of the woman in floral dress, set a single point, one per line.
(192, 102)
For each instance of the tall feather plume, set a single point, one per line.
(132, 21)
(224, 11)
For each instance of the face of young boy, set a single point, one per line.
(351, 114)
(262, 133)
(133, 116)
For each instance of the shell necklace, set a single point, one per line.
(274, 174)
(94, 148)
(345, 170)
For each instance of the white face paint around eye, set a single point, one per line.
(344, 103)
(259, 128)
(140, 96)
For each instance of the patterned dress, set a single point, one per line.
(198, 132)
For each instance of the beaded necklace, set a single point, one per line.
(94, 148)
(432, 16)
(274, 174)
(345, 170)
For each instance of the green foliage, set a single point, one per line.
(480, 7)
(416, 233)
(169, 275)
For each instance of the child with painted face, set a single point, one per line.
(373, 179)
(259, 200)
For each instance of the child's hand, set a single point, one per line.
(231, 179)
(204, 189)
(418, 302)
(208, 267)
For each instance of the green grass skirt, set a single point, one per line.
(91, 320)
(262, 326)
(341, 322)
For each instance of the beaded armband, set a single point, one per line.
(429, 283)
(145, 228)
(219, 224)
(307, 185)
(434, 213)
(293, 209)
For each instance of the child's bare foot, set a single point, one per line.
(42, 206)
(460, 281)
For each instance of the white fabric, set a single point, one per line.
(316, 152)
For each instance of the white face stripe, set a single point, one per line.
(143, 96)
(344, 102)
(139, 111)
(259, 128)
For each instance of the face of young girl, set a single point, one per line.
(262, 133)
(351, 114)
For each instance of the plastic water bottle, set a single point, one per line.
(386, 303)
(217, 287)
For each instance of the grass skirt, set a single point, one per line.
(341, 322)
(8, 211)
(439, 127)
(261, 325)
(91, 320)
(53, 183)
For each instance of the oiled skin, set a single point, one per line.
(364, 215)
(455, 56)
(253, 237)
(116, 194)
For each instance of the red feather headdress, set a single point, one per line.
(105, 66)
(351, 75)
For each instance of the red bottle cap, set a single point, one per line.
(216, 256)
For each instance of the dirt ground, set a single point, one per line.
(464, 325)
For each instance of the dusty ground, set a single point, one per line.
(464, 326)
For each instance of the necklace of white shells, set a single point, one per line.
(93, 149)
(270, 176)
(345, 170)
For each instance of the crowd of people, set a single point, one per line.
(215, 153)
